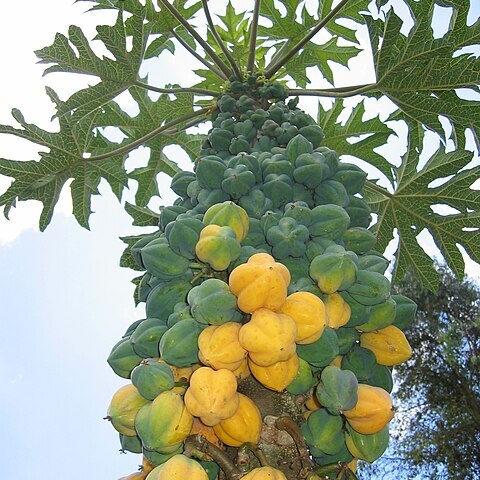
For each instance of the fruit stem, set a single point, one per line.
(258, 453)
(286, 424)
(219, 41)
(199, 442)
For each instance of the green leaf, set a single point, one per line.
(411, 208)
(126, 260)
(142, 216)
(43, 180)
(152, 114)
(368, 135)
(420, 73)
(74, 54)
(235, 26)
(314, 55)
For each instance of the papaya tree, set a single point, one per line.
(270, 329)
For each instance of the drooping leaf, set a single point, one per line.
(413, 206)
(126, 260)
(74, 54)
(368, 135)
(420, 73)
(43, 180)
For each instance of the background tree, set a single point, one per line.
(436, 431)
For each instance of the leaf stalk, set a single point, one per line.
(219, 41)
(199, 91)
(216, 59)
(253, 37)
(341, 92)
(130, 146)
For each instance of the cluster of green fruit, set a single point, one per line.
(264, 185)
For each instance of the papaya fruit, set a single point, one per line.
(264, 473)
(179, 467)
(123, 359)
(228, 214)
(277, 376)
(146, 337)
(321, 352)
(152, 378)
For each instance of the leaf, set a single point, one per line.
(420, 73)
(43, 180)
(126, 260)
(235, 25)
(142, 216)
(74, 54)
(409, 210)
(373, 133)
(152, 114)
(314, 55)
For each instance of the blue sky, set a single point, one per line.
(64, 301)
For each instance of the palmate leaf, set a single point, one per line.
(314, 55)
(74, 54)
(142, 216)
(152, 114)
(411, 208)
(419, 72)
(43, 180)
(369, 134)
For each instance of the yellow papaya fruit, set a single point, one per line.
(338, 310)
(243, 426)
(265, 473)
(228, 214)
(123, 408)
(309, 314)
(242, 372)
(219, 347)
(374, 409)
(277, 376)
(212, 395)
(179, 467)
(388, 344)
(260, 283)
(268, 337)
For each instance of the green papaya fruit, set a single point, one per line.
(181, 311)
(162, 262)
(139, 244)
(359, 212)
(373, 263)
(311, 169)
(123, 359)
(163, 424)
(146, 337)
(168, 214)
(361, 362)
(347, 338)
(313, 133)
(302, 194)
(321, 352)
(228, 214)
(303, 381)
(359, 240)
(331, 158)
(131, 444)
(351, 177)
(255, 203)
(296, 146)
(180, 182)
(182, 235)
(317, 246)
(238, 181)
(132, 327)
(156, 458)
(367, 447)
(299, 211)
(152, 378)
(212, 303)
(220, 139)
(358, 313)
(165, 296)
(226, 104)
(255, 236)
(326, 431)
(333, 271)
(329, 221)
(370, 288)
(338, 390)
(381, 376)
(144, 288)
(381, 315)
(331, 192)
(287, 238)
(278, 188)
(405, 312)
(209, 171)
(250, 161)
(278, 165)
(179, 344)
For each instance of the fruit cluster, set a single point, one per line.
(264, 266)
